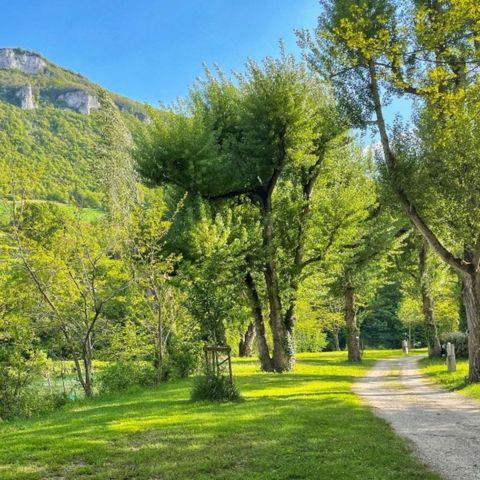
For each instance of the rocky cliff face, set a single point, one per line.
(16, 59)
(24, 95)
(23, 73)
(80, 101)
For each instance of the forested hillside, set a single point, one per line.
(49, 129)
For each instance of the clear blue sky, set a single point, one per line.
(152, 50)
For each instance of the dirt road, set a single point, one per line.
(444, 427)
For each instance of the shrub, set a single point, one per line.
(126, 375)
(35, 400)
(214, 388)
(184, 357)
(459, 339)
(310, 340)
(20, 366)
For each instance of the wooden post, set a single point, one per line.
(217, 358)
(230, 367)
(451, 362)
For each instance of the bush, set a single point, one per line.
(213, 388)
(184, 358)
(460, 340)
(35, 401)
(125, 375)
(21, 365)
(310, 340)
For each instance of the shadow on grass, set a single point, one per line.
(295, 426)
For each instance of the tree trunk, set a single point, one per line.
(471, 299)
(433, 342)
(336, 340)
(87, 363)
(245, 347)
(353, 332)
(256, 306)
(283, 351)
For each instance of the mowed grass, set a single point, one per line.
(303, 425)
(437, 369)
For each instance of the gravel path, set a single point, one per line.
(444, 427)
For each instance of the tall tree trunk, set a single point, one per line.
(245, 347)
(353, 332)
(283, 351)
(433, 342)
(471, 299)
(256, 306)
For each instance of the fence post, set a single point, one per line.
(451, 363)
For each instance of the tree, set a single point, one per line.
(375, 49)
(418, 270)
(21, 357)
(273, 130)
(72, 267)
(382, 324)
(352, 235)
(364, 271)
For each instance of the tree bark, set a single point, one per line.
(245, 347)
(256, 306)
(353, 332)
(283, 351)
(433, 342)
(471, 299)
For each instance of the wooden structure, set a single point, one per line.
(218, 361)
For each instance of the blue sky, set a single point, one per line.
(152, 50)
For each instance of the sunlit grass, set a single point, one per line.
(87, 214)
(437, 369)
(303, 425)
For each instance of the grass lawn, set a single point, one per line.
(304, 425)
(437, 369)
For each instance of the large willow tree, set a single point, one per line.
(428, 50)
(261, 140)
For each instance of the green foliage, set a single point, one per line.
(184, 355)
(459, 339)
(214, 388)
(127, 342)
(50, 153)
(21, 364)
(381, 325)
(309, 337)
(126, 375)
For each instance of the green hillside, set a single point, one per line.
(48, 130)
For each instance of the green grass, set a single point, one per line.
(87, 214)
(437, 370)
(304, 425)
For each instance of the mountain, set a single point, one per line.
(48, 131)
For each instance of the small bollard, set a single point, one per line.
(405, 347)
(451, 362)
